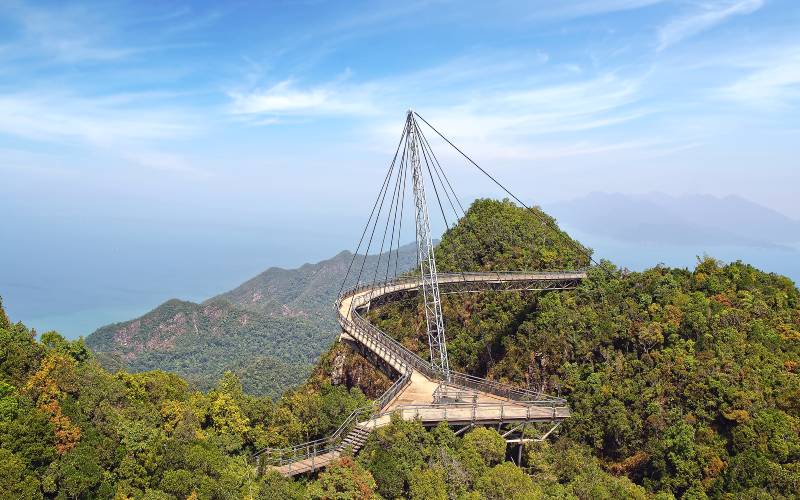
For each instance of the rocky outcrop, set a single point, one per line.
(343, 366)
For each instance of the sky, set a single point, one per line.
(158, 149)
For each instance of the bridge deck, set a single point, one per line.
(430, 414)
(416, 399)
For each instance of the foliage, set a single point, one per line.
(344, 480)
(686, 382)
(70, 429)
(505, 481)
(682, 383)
(499, 235)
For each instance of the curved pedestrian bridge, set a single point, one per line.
(419, 391)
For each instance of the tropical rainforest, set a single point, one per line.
(682, 384)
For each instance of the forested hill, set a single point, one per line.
(685, 381)
(683, 384)
(269, 331)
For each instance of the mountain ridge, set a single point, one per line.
(689, 219)
(283, 312)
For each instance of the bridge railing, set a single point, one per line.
(469, 276)
(360, 325)
(271, 456)
(367, 418)
(392, 351)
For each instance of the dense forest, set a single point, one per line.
(682, 384)
(71, 429)
(686, 382)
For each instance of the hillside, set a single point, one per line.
(683, 384)
(269, 331)
(71, 429)
(685, 381)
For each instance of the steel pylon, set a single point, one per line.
(427, 261)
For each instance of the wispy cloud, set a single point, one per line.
(133, 135)
(774, 81)
(705, 16)
(582, 8)
(286, 98)
(509, 106)
(97, 121)
(63, 34)
(77, 33)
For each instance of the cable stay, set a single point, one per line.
(414, 158)
(427, 390)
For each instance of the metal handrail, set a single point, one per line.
(407, 361)
(283, 456)
(333, 441)
(403, 353)
(448, 278)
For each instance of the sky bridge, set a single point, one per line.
(426, 390)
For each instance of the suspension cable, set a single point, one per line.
(386, 229)
(400, 226)
(549, 224)
(374, 206)
(375, 224)
(398, 208)
(440, 168)
(433, 183)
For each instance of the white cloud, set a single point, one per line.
(774, 81)
(63, 34)
(160, 160)
(106, 125)
(99, 122)
(502, 116)
(707, 15)
(582, 8)
(285, 98)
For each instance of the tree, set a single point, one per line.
(4, 322)
(505, 480)
(481, 448)
(427, 484)
(277, 487)
(79, 472)
(487, 442)
(179, 482)
(344, 480)
(54, 380)
(76, 349)
(15, 480)
(392, 452)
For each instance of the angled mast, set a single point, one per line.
(427, 261)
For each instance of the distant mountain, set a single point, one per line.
(690, 220)
(270, 330)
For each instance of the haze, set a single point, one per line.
(157, 150)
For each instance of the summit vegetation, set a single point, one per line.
(685, 382)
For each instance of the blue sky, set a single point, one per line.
(125, 127)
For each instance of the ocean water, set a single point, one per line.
(74, 276)
(783, 260)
